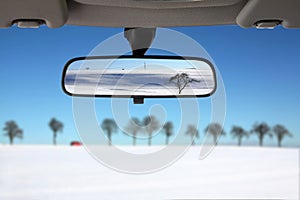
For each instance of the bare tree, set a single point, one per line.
(261, 129)
(134, 126)
(215, 130)
(151, 124)
(192, 132)
(182, 80)
(238, 132)
(280, 131)
(56, 126)
(110, 126)
(12, 131)
(168, 130)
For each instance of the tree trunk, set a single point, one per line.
(215, 139)
(193, 141)
(149, 141)
(167, 140)
(11, 140)
(133, 140)
(54, 138)
(109, 138)
(261, 138)
(150, 138)
(239, 141)
(279, 143)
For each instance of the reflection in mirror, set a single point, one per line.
(147, 77)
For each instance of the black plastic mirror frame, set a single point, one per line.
(142, 57)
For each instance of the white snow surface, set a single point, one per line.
(63, 172)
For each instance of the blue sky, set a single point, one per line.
(260, 70)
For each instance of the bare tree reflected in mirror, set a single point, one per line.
(181, 80)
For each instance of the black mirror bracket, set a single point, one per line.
(140, 39)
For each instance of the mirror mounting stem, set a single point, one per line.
(140, 39)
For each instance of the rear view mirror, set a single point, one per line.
(139, 77)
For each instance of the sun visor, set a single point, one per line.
(287, 12)
(53, 13)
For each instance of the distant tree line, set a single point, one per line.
(150, 125)
(13, 131)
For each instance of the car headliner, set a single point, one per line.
(150, 13)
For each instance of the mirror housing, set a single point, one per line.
(139, 77)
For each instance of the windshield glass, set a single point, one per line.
(243, 138)
(258, 68)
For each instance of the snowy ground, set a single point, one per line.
(46, 172)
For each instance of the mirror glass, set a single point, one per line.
(148, 77)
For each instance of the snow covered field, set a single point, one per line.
(62, 172)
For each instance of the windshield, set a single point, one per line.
(258, 82)
(259, 70)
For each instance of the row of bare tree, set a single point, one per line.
(149, 125)
(13, 131)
